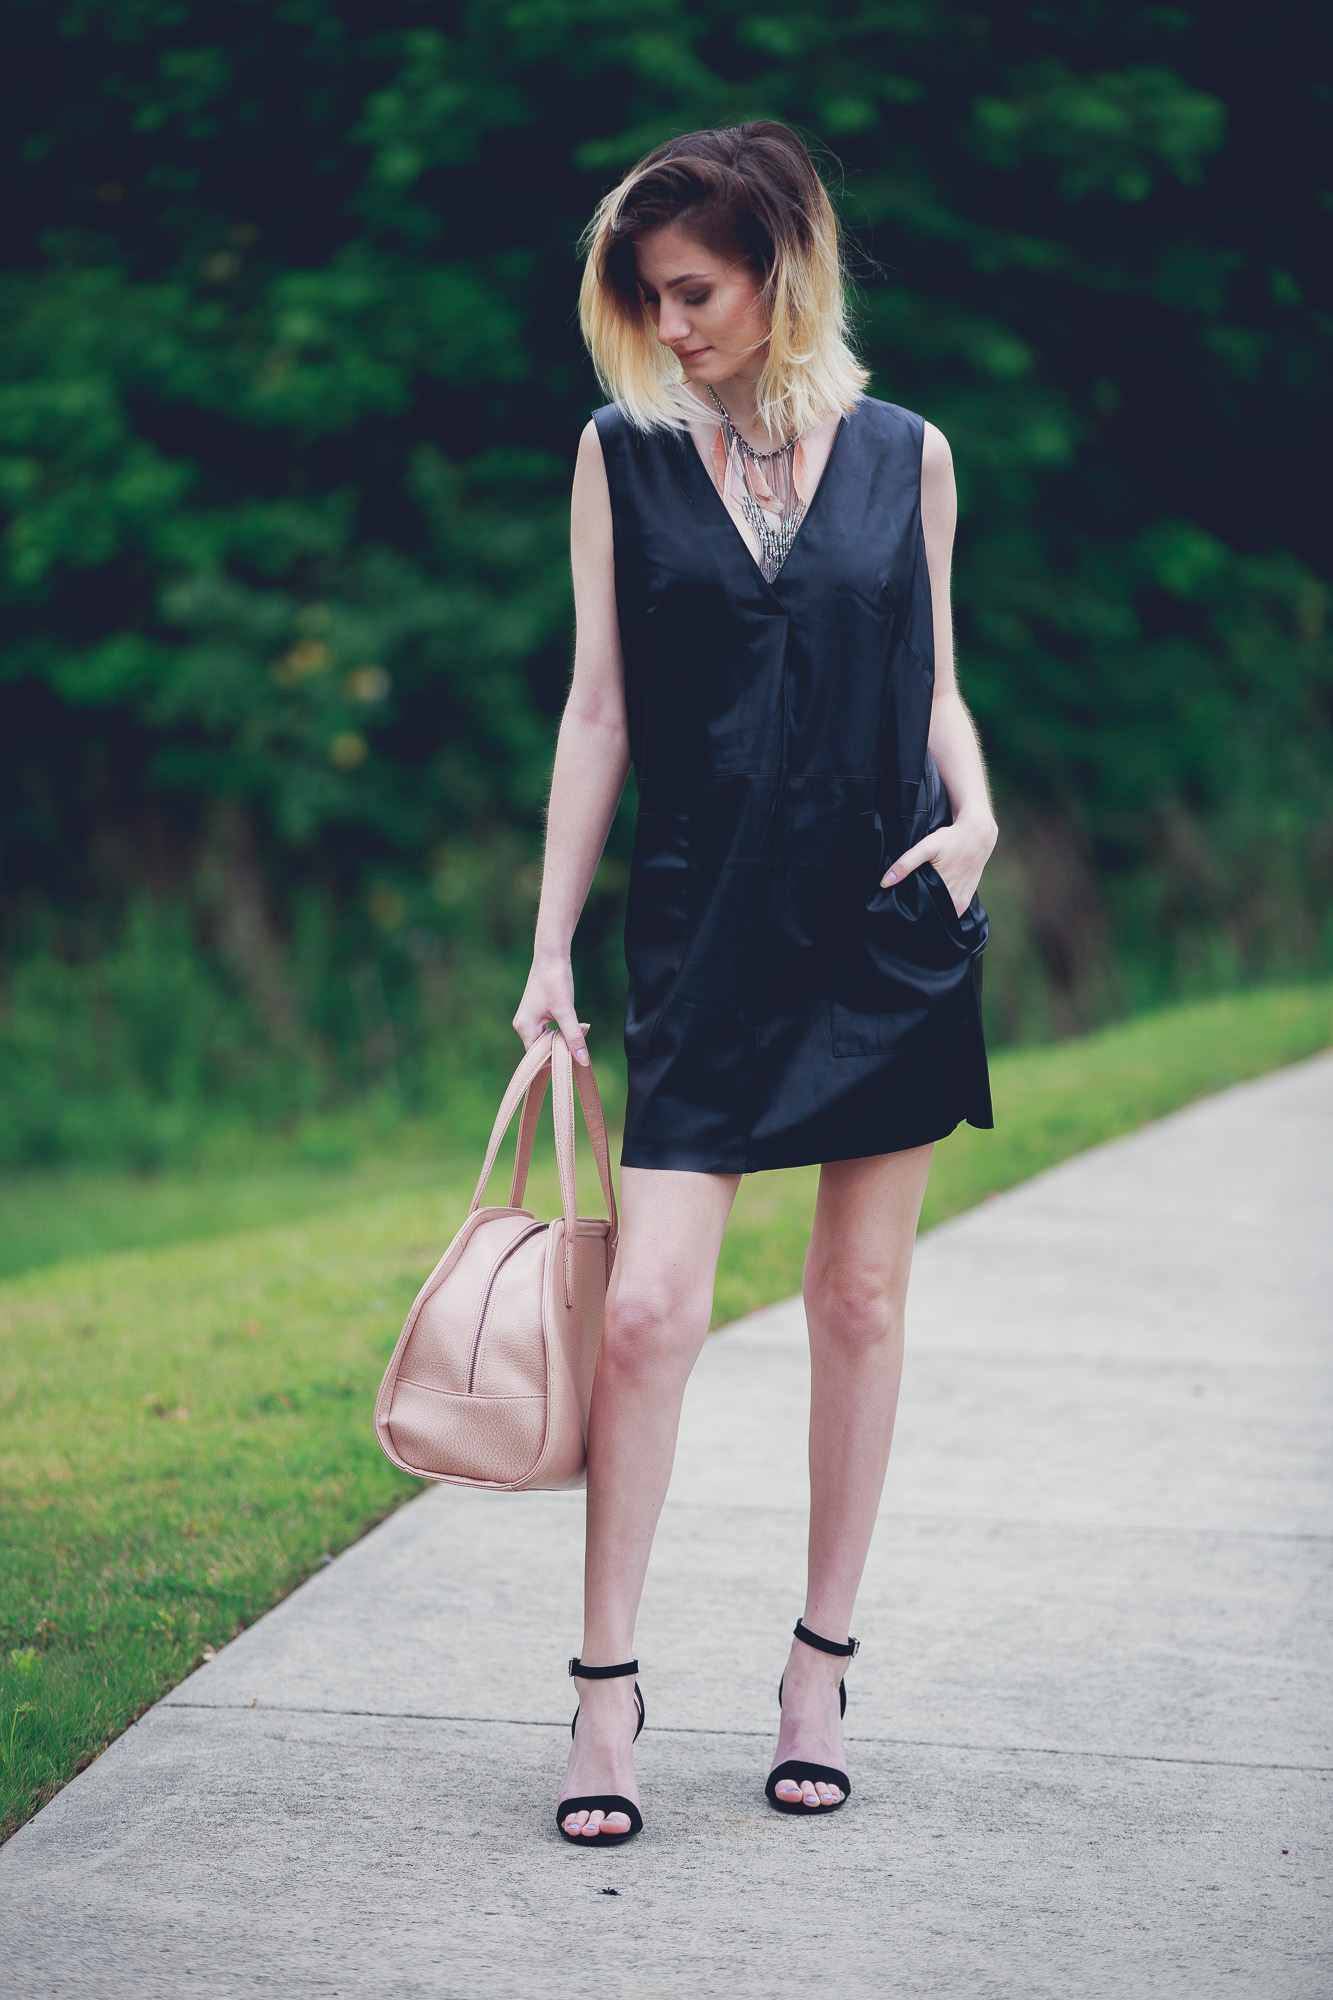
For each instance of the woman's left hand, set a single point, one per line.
(958, 853)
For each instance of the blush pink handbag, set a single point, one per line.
(490, 1381)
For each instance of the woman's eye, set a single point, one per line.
(701, 300)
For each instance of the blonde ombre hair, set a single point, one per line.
(742, 190)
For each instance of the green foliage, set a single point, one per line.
(289, 393)
(113, 1060)
(185, 1431)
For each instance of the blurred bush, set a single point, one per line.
(289, 392)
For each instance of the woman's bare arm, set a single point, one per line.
(591, 760)
(958, 852)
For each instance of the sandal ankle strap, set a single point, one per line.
(821, 1645)
(576, 1666)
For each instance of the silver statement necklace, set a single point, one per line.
(765, 486)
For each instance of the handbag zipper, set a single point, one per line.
(502, 1259)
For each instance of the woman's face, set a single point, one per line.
(707, 306)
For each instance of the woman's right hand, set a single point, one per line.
(549, 996)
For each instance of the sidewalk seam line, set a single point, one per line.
(1128, 1363)
(906, 1742)
(1015, 1521)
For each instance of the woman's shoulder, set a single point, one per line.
(613, 426)
(630, 449)
(609, 436)
(889, 421)
(612, 420)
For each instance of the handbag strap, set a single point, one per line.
(548, 1059)
(591, 1102)
(562, 1109)
(594, 1119)
(533, 1099)
(536, 1062)
(563, 1072)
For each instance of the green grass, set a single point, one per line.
(185, 1429)
(243, 1179)
(49, 1218)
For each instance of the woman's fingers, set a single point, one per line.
(548, 996)
(958, 853)
(530, 1027)
(925, 850)
(945, 858)
(573, 1031)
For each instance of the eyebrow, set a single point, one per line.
(689, 277)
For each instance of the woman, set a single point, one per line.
(761, 577)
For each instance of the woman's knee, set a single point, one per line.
(854, 1306)
(650, 1325)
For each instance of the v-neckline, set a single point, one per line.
(844, 421)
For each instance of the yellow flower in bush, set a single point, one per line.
(367, 684)
(308, 656)
(348, 749)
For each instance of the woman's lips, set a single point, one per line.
(694, 353)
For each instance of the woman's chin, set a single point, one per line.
(712, 368)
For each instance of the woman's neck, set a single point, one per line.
(738, 396)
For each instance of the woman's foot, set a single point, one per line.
(811, 1727)
(601, 1756)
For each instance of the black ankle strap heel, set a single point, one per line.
(802, 1631)
(607, 1802)
(796, 1768)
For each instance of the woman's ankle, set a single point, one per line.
(808, 1669)
(606, 1699)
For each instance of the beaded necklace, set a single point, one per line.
(765, 484)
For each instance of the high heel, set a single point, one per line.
(607, 1802)
(796, 1768)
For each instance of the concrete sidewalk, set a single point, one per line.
(1089, 1730)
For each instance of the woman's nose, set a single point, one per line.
(672, 324)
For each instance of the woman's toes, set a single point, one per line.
(828, 1794)
(594, 1825)
(809, 1796)
(574, 1822)
(616, 1823)
(787, 1790)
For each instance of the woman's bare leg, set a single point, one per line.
(658, 1307)
(855, 1290)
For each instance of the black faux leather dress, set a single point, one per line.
(783, 1007)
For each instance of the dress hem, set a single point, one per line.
(681, 1164)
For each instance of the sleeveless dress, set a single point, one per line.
(784, 1008)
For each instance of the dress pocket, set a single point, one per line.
(657, 920)
(971, 925)
(902, 974)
